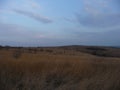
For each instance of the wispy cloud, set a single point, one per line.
(34, 4)
(104, 20)
(34, 16)
(12, 34)
(19, 33)
(94, 7)
(98, 14)
(27, 8)
(71, 20)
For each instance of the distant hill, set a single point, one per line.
(103, 51)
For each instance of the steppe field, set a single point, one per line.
(59, 68)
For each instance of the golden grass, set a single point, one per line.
(50, 71)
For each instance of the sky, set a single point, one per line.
(59, 22)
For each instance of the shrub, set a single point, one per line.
(50, 51)
(17, 54)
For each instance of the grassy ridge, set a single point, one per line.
(57, 69)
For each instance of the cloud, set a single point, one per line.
(71, 20)
(34, 4)
(27, 8)
(30, 4)
(99, 14)
(12, 34)
(17, 33)
(95, 7)
(22, 4)
(34, 16)
(99, 21)
(96, 38)
(12, 31)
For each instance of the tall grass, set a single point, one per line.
(58, 72)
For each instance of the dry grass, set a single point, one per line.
(57, 70)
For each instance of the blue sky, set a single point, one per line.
(63, 22)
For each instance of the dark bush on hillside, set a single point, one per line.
(1, 47)
(41, 50)
(96, 49)
(29, 50)
(50, 51)
(17, 54)
(35, 51)
(7, 47)
(99, 53)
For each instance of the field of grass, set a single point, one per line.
(59, 68)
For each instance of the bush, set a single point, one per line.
(50, 51)
(17, 54)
